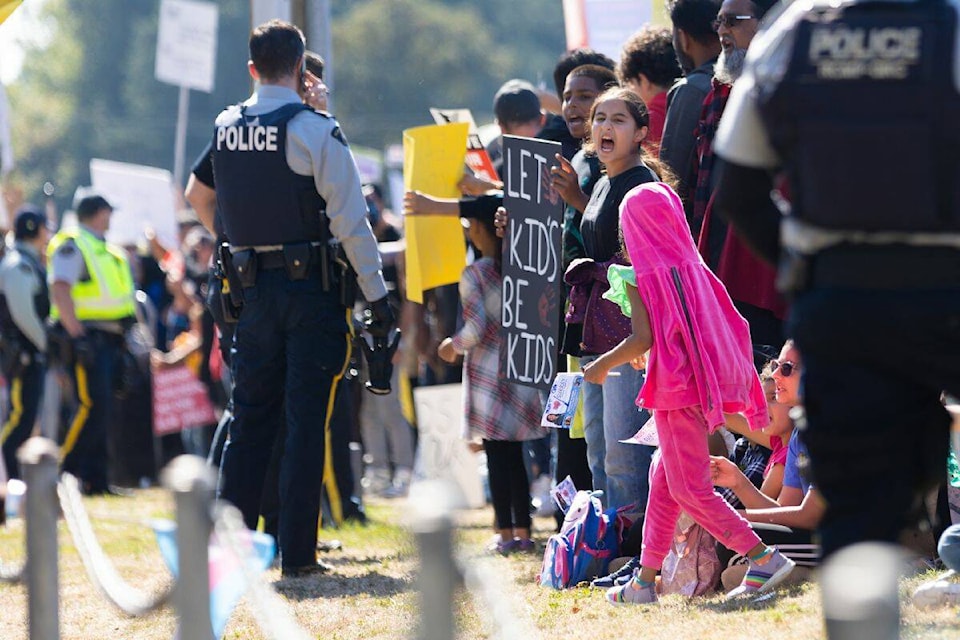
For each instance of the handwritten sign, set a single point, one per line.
(180, 401)
(531, 263)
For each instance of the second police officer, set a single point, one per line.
(857, 103)
(288, 192)
(92, 295)
(24, 307)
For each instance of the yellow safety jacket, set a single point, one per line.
(108, 294)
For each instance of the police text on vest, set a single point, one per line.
(881, 53)
(254, 138)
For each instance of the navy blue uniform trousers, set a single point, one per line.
(25, 390)
(874, 365)
(290, 350)
(84, 447)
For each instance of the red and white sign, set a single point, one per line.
(180, 401)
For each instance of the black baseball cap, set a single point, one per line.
(28, 221)
(90, 205)
(516, 102)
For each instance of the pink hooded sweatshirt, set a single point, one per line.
(701, 352)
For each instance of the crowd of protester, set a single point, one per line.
(636, 138)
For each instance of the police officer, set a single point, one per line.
(857, 103)
(278, 166)
(24, 307)
(91, 287)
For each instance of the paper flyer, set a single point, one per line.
(562, 401)
(646, 435)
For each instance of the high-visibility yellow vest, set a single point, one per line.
(109, 293)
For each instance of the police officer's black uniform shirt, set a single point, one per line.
(316, 147)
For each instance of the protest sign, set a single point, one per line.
(442, 453)
(180, 401)
(7, 7)
(433, 164)
(477, 158)
(604, 25)
(141, 197)
(532, 270)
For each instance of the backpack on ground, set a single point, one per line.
(588, 540)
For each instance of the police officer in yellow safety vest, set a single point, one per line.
(92, 291)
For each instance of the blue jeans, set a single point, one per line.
(289, 351)
(949, 547)
(593, 431)
(627, 465)
(610, 414)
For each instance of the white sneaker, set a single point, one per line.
(940, 591)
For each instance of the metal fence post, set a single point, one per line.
(439, 577)
(192, 483)
(860, 592)
(39, 459)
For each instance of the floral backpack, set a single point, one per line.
(692, 567)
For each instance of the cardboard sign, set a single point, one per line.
(532, 268)
(477, 159)
(180, 401)
(141, 197)
(442, 454)
(433, 164)
(187, 44)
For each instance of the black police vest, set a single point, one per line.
(261, 201)
(866, 118)
(41, 304)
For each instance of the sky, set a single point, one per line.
(12, 30)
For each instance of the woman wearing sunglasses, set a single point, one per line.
(798, 506)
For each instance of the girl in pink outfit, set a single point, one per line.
(699, 368)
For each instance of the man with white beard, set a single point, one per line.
(749, 280)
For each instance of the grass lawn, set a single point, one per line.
(373, 593)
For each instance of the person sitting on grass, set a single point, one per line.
(797, 508)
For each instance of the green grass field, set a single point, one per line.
(373, 592)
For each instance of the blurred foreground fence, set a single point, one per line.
(192, 483)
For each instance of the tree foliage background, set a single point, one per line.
(91, 91)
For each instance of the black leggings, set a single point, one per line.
(509, 485)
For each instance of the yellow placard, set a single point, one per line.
(433, 164)
(7, 7)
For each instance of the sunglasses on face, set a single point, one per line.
(786, 367)
(729, 21)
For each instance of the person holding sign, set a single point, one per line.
(502, 414)
(699, 369)
(618, 122)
